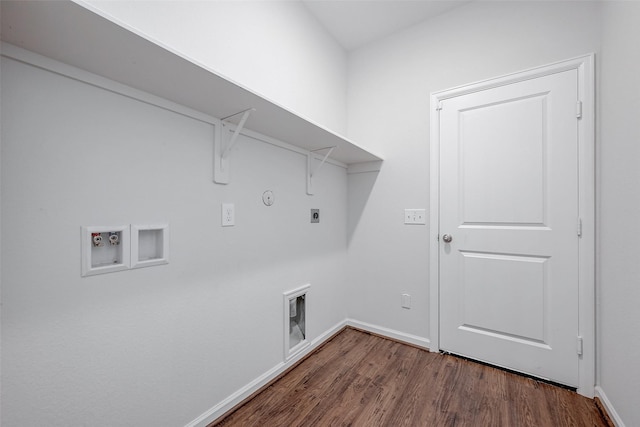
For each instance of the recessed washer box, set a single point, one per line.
(105, 249)
(149, 245)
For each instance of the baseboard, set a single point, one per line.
(254, 386)
(413, 340)
(248, 390)
(613, 415)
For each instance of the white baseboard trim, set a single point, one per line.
(255, 385)
(390, 333)
(600, 394)
(227, 404)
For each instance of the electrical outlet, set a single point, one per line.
(406, 301)
(315, 216)
(228, 215)
(415, 216)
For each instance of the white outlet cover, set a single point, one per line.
(228, 215)
(415, 216)
(406, 301)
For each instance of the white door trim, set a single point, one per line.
(586, 135)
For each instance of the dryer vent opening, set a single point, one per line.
(295, 321)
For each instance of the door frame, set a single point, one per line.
(585, 66)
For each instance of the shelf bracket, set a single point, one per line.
(312, 173)
(234, 137)
(222, 148)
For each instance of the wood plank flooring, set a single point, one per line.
(358, 379)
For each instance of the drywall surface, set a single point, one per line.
(618, 269)
(390, 83)
(275, 48)
(158, 345)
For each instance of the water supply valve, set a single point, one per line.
(114, 238)
(96, 238)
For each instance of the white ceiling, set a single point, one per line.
(355, 23)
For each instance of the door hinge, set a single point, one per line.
(439, 106)
(579, 109)
(579, 227)
(579, 345)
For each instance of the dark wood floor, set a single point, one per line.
(358, 379)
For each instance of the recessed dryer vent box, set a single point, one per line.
(295, 321)
(105, 249)
(149, 245)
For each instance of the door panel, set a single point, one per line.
(509, 198)
(520, 311)
(510, 147)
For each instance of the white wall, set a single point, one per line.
(389, 87)
(619, 205)
(275, 48)
(161, 345)
(158, 345)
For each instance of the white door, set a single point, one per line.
(509, 203)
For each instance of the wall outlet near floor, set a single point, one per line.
(406, 301)
(228, 215)
(415, 216)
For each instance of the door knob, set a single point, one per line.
(447, 238)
